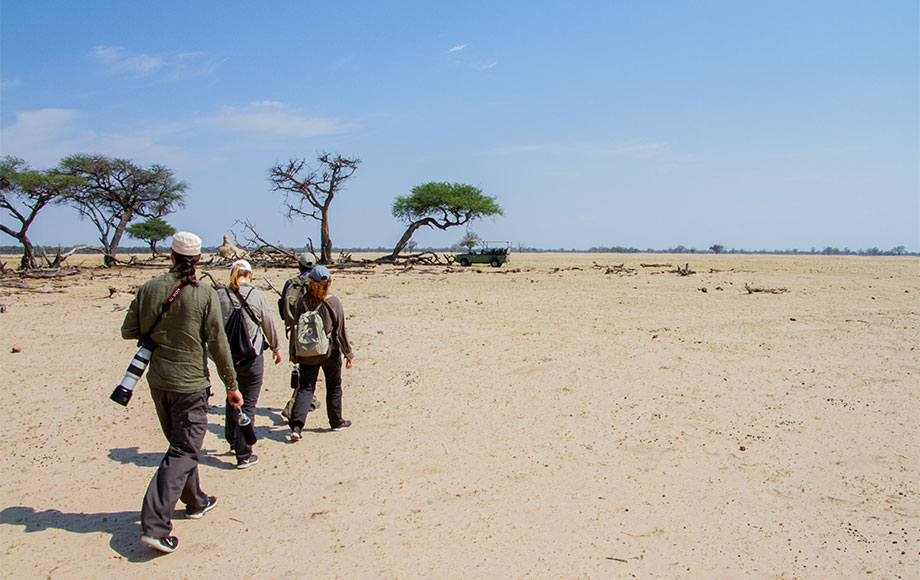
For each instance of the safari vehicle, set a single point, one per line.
(494, 253)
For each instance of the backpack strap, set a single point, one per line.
(333, 334)
(246, 304)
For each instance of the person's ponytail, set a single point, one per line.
(235, 274)
(185, 267)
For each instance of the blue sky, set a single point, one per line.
(756, 125)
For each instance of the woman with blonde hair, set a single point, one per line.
(329, 307)
(262, 331)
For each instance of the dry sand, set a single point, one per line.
(522, 422)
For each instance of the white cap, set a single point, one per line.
(243, 264)
(186, 244)
(306, 260)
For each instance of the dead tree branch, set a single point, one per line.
(685, 271)
(60, 257)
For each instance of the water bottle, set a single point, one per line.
(245, 423)
(295, 377)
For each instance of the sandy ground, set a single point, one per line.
(522, 422)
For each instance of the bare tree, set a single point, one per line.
(308, 191)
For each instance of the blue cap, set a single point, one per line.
(319, 273)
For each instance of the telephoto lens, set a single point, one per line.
(245, 423)
(124, 390)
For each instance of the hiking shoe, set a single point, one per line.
(244, 463)
(167, 545)
(343, 425)
(191, 514)
(296, 436)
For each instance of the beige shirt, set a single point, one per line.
(265, 325)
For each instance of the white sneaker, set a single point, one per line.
(167, 545)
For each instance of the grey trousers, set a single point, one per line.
(249, 379)
(184, 420)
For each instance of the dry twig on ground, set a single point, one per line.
(619, 269)
(752, 290)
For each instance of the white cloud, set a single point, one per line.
(42, 137)
(522, 149)
(631, 150)
(9, 84)
(456, 48)
(117, 60)
(39, 136)
(487, 66)
(272, 118)
(639, 150)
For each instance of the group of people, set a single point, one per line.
(186, 320)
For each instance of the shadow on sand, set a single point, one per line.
(131, 455)
(123, 526)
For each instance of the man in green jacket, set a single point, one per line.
(184, 332)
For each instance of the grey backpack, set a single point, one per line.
(311, 338)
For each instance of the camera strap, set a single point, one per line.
(166, 304)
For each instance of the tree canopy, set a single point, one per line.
(116, 191)
(24, 192)
(152, 231)
(441, 205)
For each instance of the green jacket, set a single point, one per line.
(192, 327)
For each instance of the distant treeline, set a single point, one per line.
(828, 251)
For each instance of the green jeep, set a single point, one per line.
(494, 253)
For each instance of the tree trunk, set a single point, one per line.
(404, 240)
(112, 249)
(325, 241)
(28, 254)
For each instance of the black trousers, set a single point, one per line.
(332, 371)
(249, 380)
(184, 420)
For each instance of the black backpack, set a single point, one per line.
(241, 347)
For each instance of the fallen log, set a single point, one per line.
(753, 290)
(20, 285)
(49, 272)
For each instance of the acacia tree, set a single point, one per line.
(468, 241)
(151, 231)
(23, 193)
(308, 191)
(440, 205)
(116, 191)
